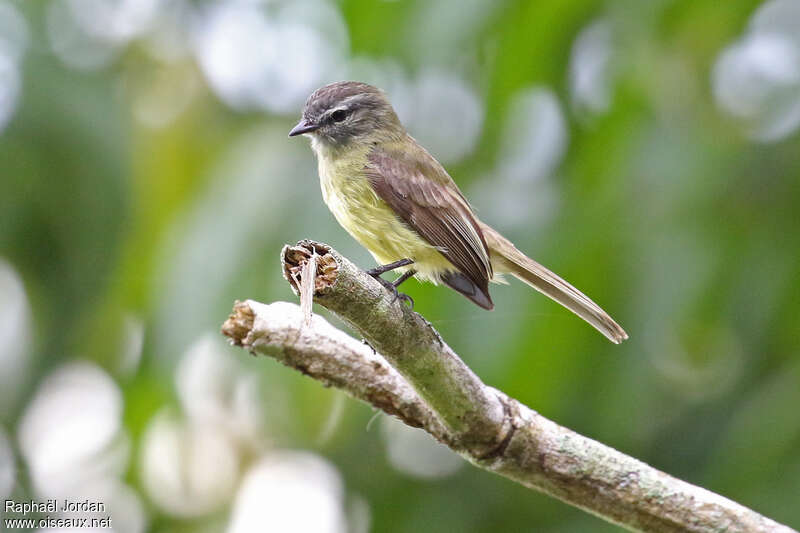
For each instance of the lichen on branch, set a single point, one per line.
(418, 378)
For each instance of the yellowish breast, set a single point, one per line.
(371, 221)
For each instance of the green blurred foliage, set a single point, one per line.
(672, 219)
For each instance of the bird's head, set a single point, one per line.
(344, 112)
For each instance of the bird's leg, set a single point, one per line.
(392, 287)
(382, 269)
(404, 297)
(404, 277)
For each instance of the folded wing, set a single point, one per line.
(423, 195)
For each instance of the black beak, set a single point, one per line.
(304, 126)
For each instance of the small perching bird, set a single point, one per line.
(396, 200)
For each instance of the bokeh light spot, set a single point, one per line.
(413, 452)
(13, 41)
(188, 469)
(8, 470)
(442, 112)
(534, 141)
(590, 74)
(71, 430)
(215, 390)
(290, 491)
(757, 78)
(15, 336)
(257, 60)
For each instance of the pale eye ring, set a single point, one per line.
(339, 115)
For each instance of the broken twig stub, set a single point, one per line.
(239, 323)
(420, 379)
(295, 260)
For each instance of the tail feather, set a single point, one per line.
(506, 258)
(461, 283)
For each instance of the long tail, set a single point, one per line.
(506, 258)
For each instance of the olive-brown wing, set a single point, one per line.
(423, 195)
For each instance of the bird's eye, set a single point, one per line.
(339, 115)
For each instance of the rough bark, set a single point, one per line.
(420, 380)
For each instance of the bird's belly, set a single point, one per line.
(375, 226)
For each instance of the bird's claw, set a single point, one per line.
(391, 287)
(405, 298)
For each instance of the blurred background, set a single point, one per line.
(646, 151)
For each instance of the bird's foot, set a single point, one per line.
(405, 298)
(392, 288)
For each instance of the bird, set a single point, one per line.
(394, 198)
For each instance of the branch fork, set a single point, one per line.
(417, 377)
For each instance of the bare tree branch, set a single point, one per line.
(320, 351)
(419, 379)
